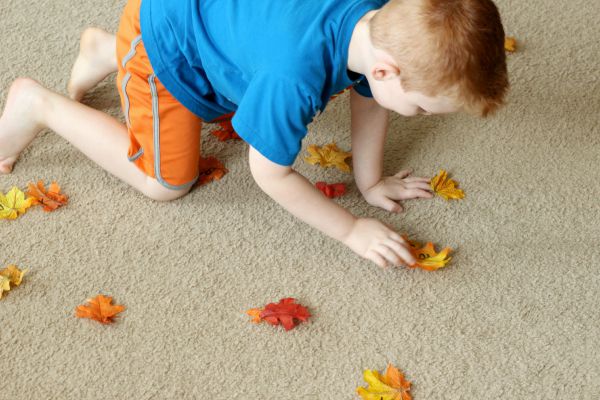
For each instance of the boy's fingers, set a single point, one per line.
(404, 173)
(377, 259)
(416, 179)
(404, 252)
(415, 193)
(418, 185)
(389, 254)
(391, 205)
(398, 250)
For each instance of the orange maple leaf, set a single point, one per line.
(226, 132)
(286, 313)
(427, 258)
(211, 169)
(49, 199)
(99, 309)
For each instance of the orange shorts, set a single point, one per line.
(164, 135)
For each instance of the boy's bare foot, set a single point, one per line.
(96, 60)
(20, 121)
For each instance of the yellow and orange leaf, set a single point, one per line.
(211, 169)
(13, 204)
(510, 44)
(446, 187)
(391, 386)
(427, 258)
(49, 199)
(328, 156)
(99, 309)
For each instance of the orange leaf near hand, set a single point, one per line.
(427, 258)
(211, 169)
(446, 187)
(286, 313)
(510, 44)
(391, 386)
(49, 199)
(99, 309)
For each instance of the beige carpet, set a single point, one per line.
(514, 317)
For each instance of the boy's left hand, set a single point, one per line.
(402, 186)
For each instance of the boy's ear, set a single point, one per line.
(383, 71)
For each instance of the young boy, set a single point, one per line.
(276, 64)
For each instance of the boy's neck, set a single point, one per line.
(360, 48)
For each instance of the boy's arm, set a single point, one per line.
(367, 237)
(369, 128)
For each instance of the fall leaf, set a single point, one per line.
(255, 314)
(99, 309)
(226, 132)
(4, 285)
(211, 169)
(14, 274)
(331, 190)
(510, 44)
(427, 258)
(391, 386)
(10, 275)
(286, 313)
(446, 187)
(328, 156)
(13, 204)
(50, 200)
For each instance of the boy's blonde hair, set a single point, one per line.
(446, 47)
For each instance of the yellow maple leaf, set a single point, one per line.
(510, 44)
(4, 285)
(13, 204)
(328, 156)
(14, 274)
(427, 258)
(446, 187)
(391, 386)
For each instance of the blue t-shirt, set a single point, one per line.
(275, 63)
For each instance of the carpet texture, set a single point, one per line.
(514, 316)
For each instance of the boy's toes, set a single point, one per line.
(6, 165)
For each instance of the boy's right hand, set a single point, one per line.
(377, 242)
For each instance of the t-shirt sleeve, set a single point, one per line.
(362, 87)
(273, 115)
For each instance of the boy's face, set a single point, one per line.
(390, 94)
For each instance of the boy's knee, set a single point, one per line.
(155, 191)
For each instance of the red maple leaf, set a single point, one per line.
(286, 313)
(331, 190)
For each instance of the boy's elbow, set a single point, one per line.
(264, 171)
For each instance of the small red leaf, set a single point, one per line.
(331, 190)
(286, 313)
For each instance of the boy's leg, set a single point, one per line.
(96, 60)
(31, 108)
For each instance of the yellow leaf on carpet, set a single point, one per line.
(328, 156)
(391, 386)
(14, 274)
(4, 285)
(446, 187)
(13, 204)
